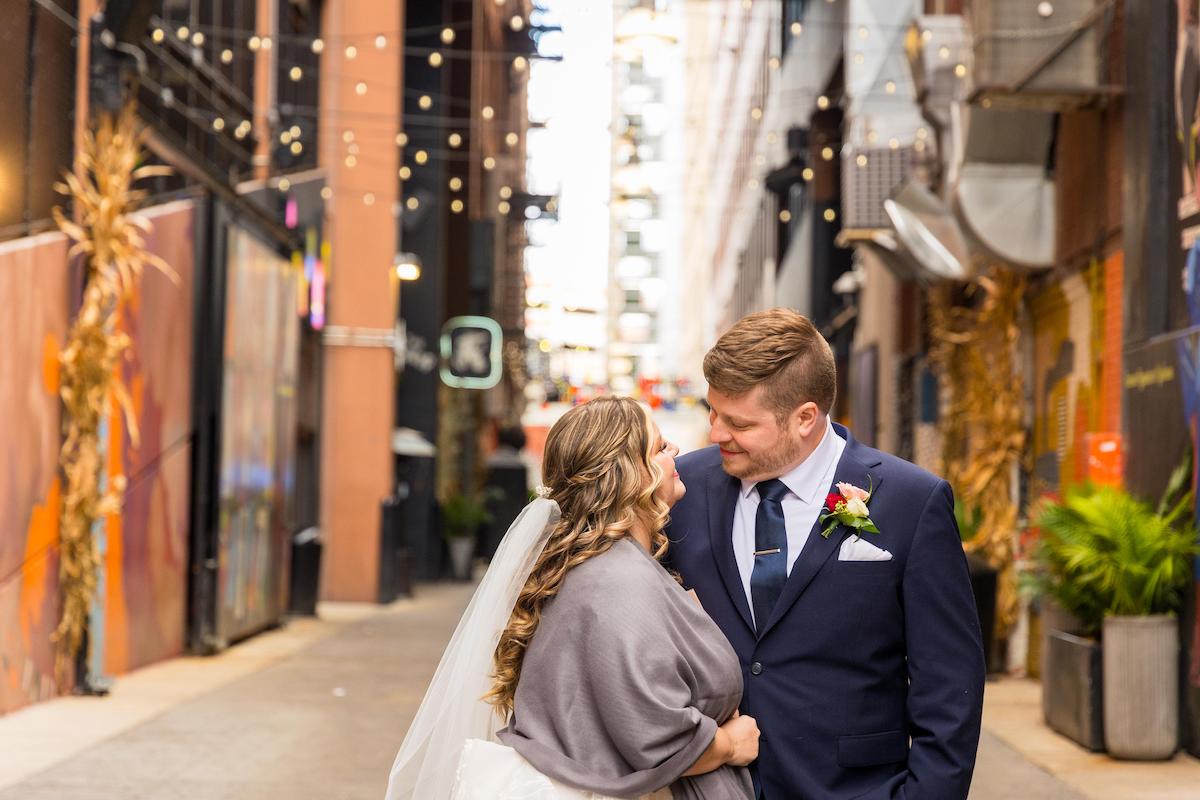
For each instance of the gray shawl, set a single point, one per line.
(624, 684)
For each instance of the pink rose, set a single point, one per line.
(852, 492)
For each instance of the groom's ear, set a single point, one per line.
(805, 418)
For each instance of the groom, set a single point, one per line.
(861, 654)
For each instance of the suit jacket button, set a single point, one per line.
(756, 668)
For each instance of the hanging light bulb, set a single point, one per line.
(487, 112)
(511, 138)
(401, 139)
(295, 73)
(505, 192)
(380, 42)
(318, 46)
(489, 163)
(296, 148)
(447, 35)
(435, 59)
(405, 172)
(420, 157)
(517, 22)
(351, 52)
(455, 183)
(456, 205)
(360, 88)
(254, 43)
(425, 102)
(183, 33)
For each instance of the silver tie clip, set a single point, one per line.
(770, 552)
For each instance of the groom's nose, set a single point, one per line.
(718, 433)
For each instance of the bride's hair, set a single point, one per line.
(599, 467)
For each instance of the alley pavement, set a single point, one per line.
(318, 709)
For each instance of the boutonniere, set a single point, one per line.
(848, 506)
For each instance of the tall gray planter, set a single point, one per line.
(1141, 687)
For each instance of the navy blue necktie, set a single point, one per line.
(770, 550)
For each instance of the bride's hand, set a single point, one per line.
(742, 734)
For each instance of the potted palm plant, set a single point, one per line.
(462, 516)
(1119, 567)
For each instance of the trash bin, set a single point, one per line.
(395, 561)
(306, 572)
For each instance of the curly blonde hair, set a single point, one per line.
(599, 467)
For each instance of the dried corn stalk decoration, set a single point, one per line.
(975, 333)
(110, 240)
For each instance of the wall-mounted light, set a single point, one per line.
(407, 266)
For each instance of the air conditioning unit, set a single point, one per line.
(1048, 53)
(870, 176)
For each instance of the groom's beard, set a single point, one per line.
(765, 464)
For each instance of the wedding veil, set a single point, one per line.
(453, 711)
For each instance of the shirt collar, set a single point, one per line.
(804, 479)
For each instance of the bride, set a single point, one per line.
(581, 670)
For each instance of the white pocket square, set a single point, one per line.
(856, 548)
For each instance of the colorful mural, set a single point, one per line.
(1076, 371)
(144, 550)
(258, 420)
(34, 276)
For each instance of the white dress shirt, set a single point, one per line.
(808, 484)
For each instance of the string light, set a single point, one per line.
(919, 147)
(197, 39)
(401, 139)
(227, 56)
(454, 139)
(435, 59)
(756, 113)
(511, 138)
(285, 137)
(284, 184)
(352, 149)
(266, 43)
(157, 36)
(455, 183)
(294, 131)
(822, 102)
(872, 136)
(890, 87)
(318, 46)
(296, 148)
(254, 43)
(347, 136)
(894, 143)
(797, 29)
(405, 173)
(772, 137)
(425, 103)
(785, 216)
(326, 193)
(369, 199)
(351, 52)
(380, 42)
(183, 33)
(830, 215)
(861, 160)
(922, 133)
(240, 132)
(505, 192)
(807, 174)
(926, 35)
(218, 124)
(420, 156)
(489, 163)
(863, 33)
(456, 205)
(519, 63)
(503, 207)
(447, 35)
(412, 204)
(858, 58)
(516, 23)
(773, 62)
(487, 112)
(827, 153)
(351, 161)
(960, 70)
(943, 52)
(295, 73)
(360, 88)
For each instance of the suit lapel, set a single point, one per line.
(722, 502)
(857, 467)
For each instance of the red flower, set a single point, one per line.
(831, 501)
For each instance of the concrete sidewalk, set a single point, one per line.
(318, 709)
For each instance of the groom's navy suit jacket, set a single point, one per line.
(867, 679)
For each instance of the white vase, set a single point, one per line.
(1141, 687)
(462, 548)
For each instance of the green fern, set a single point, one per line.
(1104, 552)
